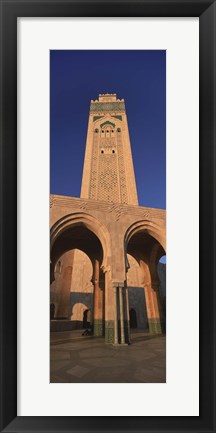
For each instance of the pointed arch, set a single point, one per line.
(91, 223)
(149, 227)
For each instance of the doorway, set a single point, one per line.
(133, 318)
(86, 319)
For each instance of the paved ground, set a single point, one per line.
(75, 358)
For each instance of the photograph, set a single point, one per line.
(107, 216)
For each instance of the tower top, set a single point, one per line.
(107, 97)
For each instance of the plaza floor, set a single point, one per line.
(77, 359)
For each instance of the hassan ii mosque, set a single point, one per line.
(105, 248)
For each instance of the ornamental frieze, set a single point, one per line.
(107, 106)
(116, 209)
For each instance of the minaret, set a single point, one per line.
(108, 173)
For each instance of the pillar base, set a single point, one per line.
(120, 344)
(98, 328)
(156, 326)
(109, 331)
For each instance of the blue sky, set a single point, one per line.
(139, 77)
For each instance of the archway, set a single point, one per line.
(145, 242)
(69, 240)
(133, 318)
(88, 222)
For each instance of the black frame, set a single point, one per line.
(10, 10)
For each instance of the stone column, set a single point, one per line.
(116, 316)
(127, 313)
(160, 323)
(98, 301)
(154, 310)
(109, 308)
(121, 315)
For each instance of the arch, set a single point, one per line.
(145, 241)
(149, 227)
(107, 122)
(77, 314)
(91, 223)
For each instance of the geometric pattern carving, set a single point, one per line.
(107, 123)
(107, 107)
(108, 181)
(96, 118)
(122, 176)
(94, 170)
(108, 177)
(140, 212)
(118, 117)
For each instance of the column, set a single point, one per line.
(154, 310)
(121, 315)
(127, 313)
(159, 322)
(109, 309)
(115, 317)
(98, 301)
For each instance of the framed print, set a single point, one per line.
(98, 359)
(91, 352)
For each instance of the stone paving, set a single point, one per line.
(75, 359)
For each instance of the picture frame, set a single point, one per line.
(10, 11)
